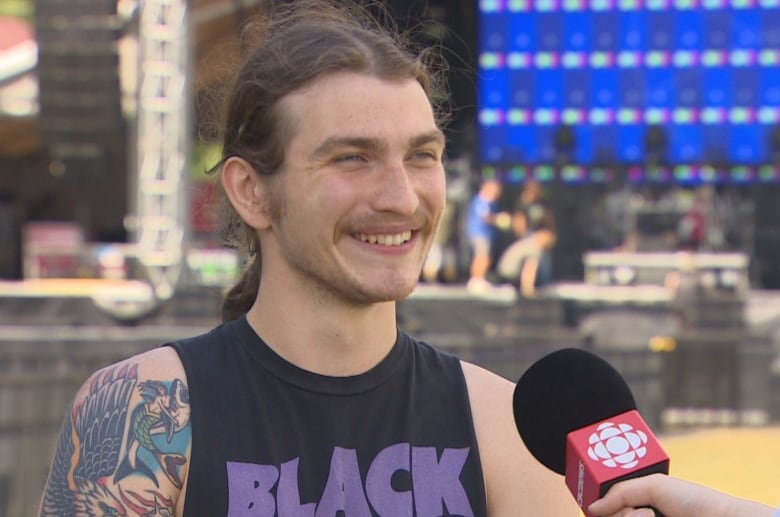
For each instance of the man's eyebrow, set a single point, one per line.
(373, 144)
(335, 142)
(436, 136)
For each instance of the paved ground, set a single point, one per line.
(741, 461)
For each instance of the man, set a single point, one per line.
(531, 214)
(308, 400)
(521, 262)
(531, 211)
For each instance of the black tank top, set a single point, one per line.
(271, 439)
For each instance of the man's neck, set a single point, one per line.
(326, 338)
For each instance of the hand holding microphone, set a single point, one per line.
(675, 498)
(577, 416)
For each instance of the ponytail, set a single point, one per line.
(243, 294)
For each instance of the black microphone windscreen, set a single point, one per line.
(563, 391)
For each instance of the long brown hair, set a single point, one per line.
(291, 46)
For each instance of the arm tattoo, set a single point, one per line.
(113, 437)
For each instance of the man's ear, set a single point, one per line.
(247, 192)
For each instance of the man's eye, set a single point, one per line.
(347, 158)
(426, 155)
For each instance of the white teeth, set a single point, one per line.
(395, 239)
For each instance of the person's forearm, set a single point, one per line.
(742, 508)
(674, 498)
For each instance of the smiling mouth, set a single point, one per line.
(393, 239)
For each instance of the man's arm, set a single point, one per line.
(516, 483)
(124, 445)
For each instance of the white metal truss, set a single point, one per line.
(163, 143)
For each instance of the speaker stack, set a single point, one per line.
(79, 88)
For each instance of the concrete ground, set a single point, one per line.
(741, 461)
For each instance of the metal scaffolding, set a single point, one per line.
(163, 143)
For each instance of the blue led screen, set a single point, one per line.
(704, 72)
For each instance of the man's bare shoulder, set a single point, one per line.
(161, 361)
(125, 441)
(491, 401)
(513, 477)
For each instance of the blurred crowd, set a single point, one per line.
(505, 233)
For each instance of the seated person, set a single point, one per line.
(521, 262)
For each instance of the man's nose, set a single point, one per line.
(395, 190)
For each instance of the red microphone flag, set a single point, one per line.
(612, 450)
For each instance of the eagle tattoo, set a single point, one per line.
(99, 444)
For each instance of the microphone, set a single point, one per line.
(577, 416)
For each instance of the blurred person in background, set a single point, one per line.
(308, 399)
(523, 262)
(527, 262)
(441, 262)
(483, 219)
(701, 227)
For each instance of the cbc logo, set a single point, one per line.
(617, 445)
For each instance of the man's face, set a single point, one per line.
(361, 191)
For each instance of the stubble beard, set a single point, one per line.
(339, 286)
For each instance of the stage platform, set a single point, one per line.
(131, 302)
(759, 309)
(101, 302)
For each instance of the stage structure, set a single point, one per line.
(79, 87)
(117, 81)
(159, 224)
(157, 201)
